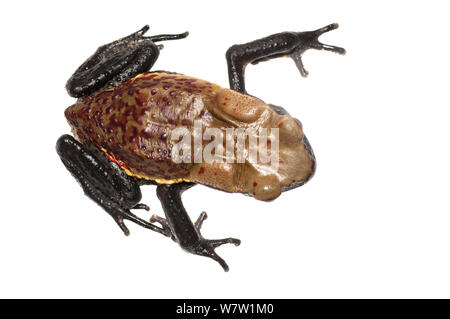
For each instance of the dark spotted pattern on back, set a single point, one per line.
(131, 122)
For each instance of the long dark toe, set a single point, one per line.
(198, 224)
(141, 206)
(309, 40)
(144, 29)
(206, 248)
(332, 48)
(327, 28)
(219, 242)
(165, 230)
(123, 227)
(221, 262)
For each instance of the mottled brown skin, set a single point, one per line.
(132, 122)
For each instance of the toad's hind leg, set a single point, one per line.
(104, 182)
(181, 227)
(292, 44)
(117, 62)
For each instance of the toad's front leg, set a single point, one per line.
(183, 230)
(292, 44)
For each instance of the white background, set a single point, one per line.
(373, 222)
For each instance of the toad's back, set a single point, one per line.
(132, 123)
